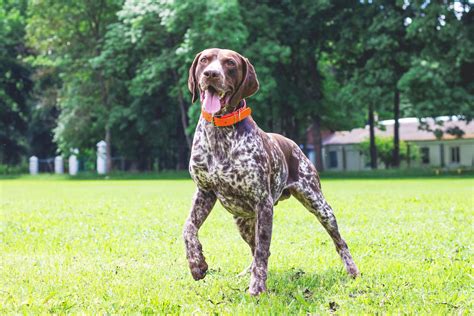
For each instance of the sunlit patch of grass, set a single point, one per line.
(115, 247)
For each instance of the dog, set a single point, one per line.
(246, 169)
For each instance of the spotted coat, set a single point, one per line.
(249, 171)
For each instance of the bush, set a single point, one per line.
(13, 169)
(384, 147)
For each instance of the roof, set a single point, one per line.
(409, 131)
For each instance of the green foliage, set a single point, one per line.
(155, 43)
(371, 52)
(384, 147)
(13, 169)
(66, 36)
(118, 69)
(93, 247)
(15, 84)
(440, 80)
(290, 54)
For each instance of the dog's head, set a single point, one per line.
(222, 78)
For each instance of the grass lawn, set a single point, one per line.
(115, 246)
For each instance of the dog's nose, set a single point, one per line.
(211, 73)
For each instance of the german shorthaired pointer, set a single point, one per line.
(246, 169)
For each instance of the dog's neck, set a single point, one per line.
(225, 132)
(227, 109)
(222, 139)
(242, 126)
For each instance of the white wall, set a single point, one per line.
(355, 161)
(466, 151)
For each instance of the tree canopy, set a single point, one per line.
(75, 72)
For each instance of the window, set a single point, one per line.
(425, 155)
(333, 159)
(455, 154)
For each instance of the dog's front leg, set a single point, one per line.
(263, 238)
(203, 203)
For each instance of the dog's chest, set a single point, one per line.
(233, 165)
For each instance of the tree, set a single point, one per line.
(118, 69)
(440, 80)
(373, 51)
(292, 65)
(147, 54)
(15, 84)
(385, 150)
(66, 36)
(351, 54)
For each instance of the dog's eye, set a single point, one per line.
(230, 63)
(203, 60)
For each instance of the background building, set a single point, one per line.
(342, 152)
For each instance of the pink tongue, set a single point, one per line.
(212, 104)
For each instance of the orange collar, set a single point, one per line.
(227, 119)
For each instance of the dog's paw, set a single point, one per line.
(257, 287)
(352, 270)
(199, 270)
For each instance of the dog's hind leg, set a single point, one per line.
(316, 204)
(203, 203)
(246, 228)
(308, 191)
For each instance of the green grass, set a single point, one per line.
(106, 246)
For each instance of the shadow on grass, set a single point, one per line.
(311, 291)
(295, 281)
(296, 290)
(289, 291)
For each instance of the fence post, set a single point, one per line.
(58, 165)
(73, 165)
(34, 165)
(101, 157)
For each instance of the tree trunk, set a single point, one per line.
(182, 150)
(318, 143)
(396, 130)
(182, 109)
(182, 162)
(108, 136)
(373, 149)
(408, 155)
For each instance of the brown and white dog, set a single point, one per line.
(246, 169)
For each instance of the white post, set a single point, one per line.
(73, 165)
(34, 165)
(58, 165)
(101, 157)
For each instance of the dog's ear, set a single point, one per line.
(192, 80)
(249, 84)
